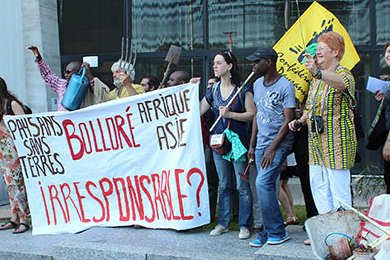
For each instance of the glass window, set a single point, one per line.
(147, 67)
(353, 18)
(367, 106)
(159, 24)
(382, 21)
(90, 26)
(252, 23)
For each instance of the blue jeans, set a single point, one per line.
(225, 175)
(266, 192)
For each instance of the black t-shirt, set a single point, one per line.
(386, 97)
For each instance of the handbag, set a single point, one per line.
(75, 92)
(220, 144)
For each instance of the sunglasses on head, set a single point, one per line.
(228, 53)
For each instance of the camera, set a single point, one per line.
(297, 125)
(317, 124)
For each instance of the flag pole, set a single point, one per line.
(300, 24)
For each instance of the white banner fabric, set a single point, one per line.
(137, 160)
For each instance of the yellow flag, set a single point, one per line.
(304, 32)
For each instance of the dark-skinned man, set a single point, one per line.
(271, 140)
(178, 77)
(96, 93)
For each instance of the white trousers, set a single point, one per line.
(329, 187)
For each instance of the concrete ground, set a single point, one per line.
(134, 243)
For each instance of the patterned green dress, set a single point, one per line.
(335, 147)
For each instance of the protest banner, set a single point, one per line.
(304, 32)
(137, 160)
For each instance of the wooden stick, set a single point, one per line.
(166, 72)
(376, 243)
(231, 100)
(386, 231)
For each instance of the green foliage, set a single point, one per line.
(300, 212)
(367, 185)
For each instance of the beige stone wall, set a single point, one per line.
(25, 23)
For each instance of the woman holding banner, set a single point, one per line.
(234, 118)
(10, 165)
(330, 118)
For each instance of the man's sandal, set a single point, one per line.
(8, 225)
(21, 228)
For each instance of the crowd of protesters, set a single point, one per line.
(264, 124)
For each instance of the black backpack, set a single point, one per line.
(26, 109)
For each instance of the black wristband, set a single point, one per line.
(38, 58)
(318, 75)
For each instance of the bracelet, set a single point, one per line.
(318, 75)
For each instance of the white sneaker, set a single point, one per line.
(218, 230)
(244, 233)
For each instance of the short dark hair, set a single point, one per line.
(152, 81)
(183, 75)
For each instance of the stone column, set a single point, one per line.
(40, 28)
(25, 23)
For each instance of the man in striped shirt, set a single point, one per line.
(59, 85)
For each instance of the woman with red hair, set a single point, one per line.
(329, 115)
